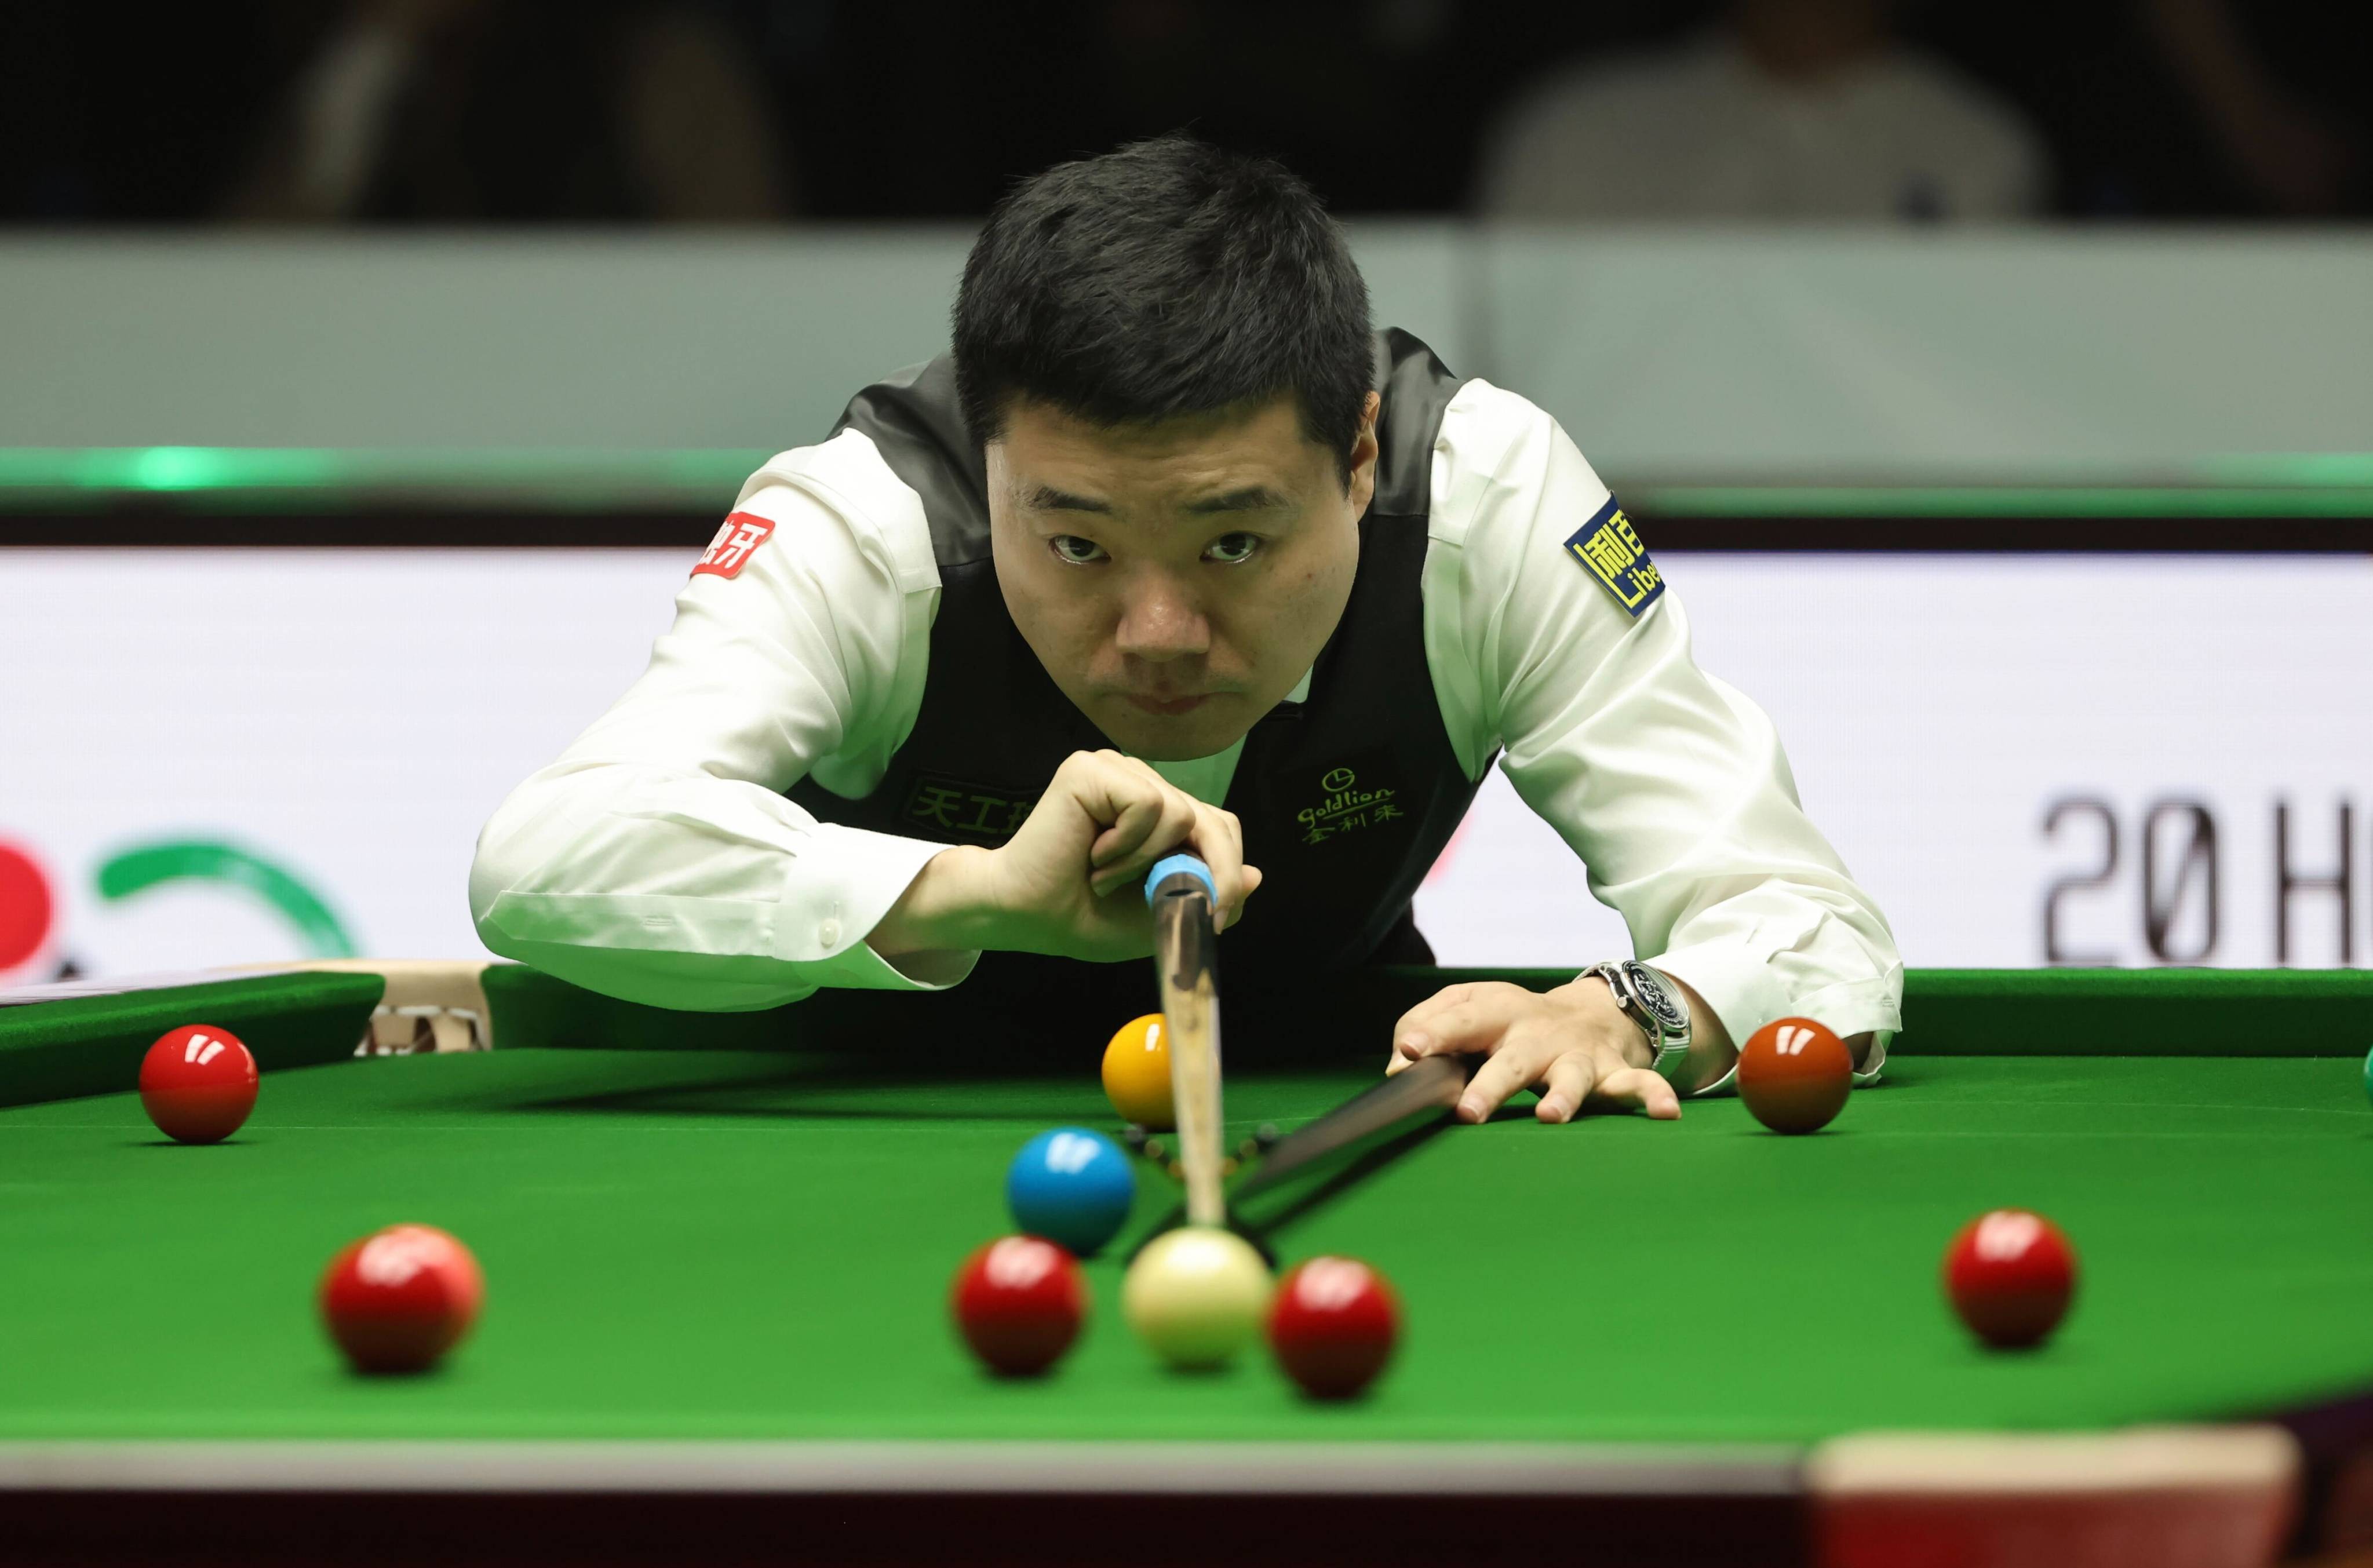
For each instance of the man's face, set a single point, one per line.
(1176, 580)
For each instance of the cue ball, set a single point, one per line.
(1196, 1295)
(2010, 1275)
(1795, 1074)
(1071, 1186)
(1137, 1074)
(1333, 1325)
(197, 1083)
(1019, 1302)
(398, 1299)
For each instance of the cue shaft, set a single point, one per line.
(1431, 1085)
(1186, 960)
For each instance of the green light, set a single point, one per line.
(1988, 500)
(532, 478)
(2290, 468)
(177, 468)
(2238, 485)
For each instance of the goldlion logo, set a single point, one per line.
(1347, 807)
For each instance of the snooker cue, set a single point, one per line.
(1186, 962)
(1432, 1083)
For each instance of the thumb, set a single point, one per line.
(1248, 883)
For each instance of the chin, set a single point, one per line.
(1182, 739)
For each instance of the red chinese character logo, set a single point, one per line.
(741, 533)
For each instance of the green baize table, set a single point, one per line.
(718, 1249)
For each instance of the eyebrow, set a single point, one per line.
(1250, 497)
(1046, 499)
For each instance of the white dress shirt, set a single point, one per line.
(658, 860)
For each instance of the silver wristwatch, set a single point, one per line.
(1649, 999)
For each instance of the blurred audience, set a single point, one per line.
(641, 110)
(1786, 110)
(472, 111)
(2297, 155)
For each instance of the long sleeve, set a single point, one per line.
(658, 859)
(1670, 785)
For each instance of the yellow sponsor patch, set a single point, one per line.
(1609, 548)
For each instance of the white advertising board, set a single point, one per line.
(242, 756)
(2027, 759)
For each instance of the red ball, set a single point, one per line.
(400, 1298)
(1333, 1323)
(1795, 1074)
(198, 1084)
(2010, 1275)
(1019, 1302)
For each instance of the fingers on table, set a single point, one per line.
(1526, 1052)
(1470, 1017)
(1581, 1078)
(1567, 1079)
(1565, 1086)
(1640, 1087)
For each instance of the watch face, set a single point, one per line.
(1656, 998)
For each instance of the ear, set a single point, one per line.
(1363, 487)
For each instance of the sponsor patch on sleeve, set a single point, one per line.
(1609, 548)
(737, 537)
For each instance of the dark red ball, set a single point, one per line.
(1333, 1323)
(2011, 1275)
(198, 1084)
(398, 1299)
(1795, 1074)
(1019, 1302)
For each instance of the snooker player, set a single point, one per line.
(1172, 550)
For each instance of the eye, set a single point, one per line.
(1231, 548)
(1078, 552)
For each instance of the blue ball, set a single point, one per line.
(1072, 1187)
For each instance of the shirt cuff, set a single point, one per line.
(1734, 981)
(849, 878)
(709, 954)
(1747, 992)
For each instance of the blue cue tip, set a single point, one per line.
(1181, 865)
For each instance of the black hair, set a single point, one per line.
(1164, 278)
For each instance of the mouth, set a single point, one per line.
(1171, 706)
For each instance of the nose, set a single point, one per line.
(1161, 623)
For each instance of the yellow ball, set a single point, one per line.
(1137, 1074)
(1196, 1296)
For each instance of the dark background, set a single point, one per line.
(927, 108)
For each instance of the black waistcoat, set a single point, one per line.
(1346, 798)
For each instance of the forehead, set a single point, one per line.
(1263, 442)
